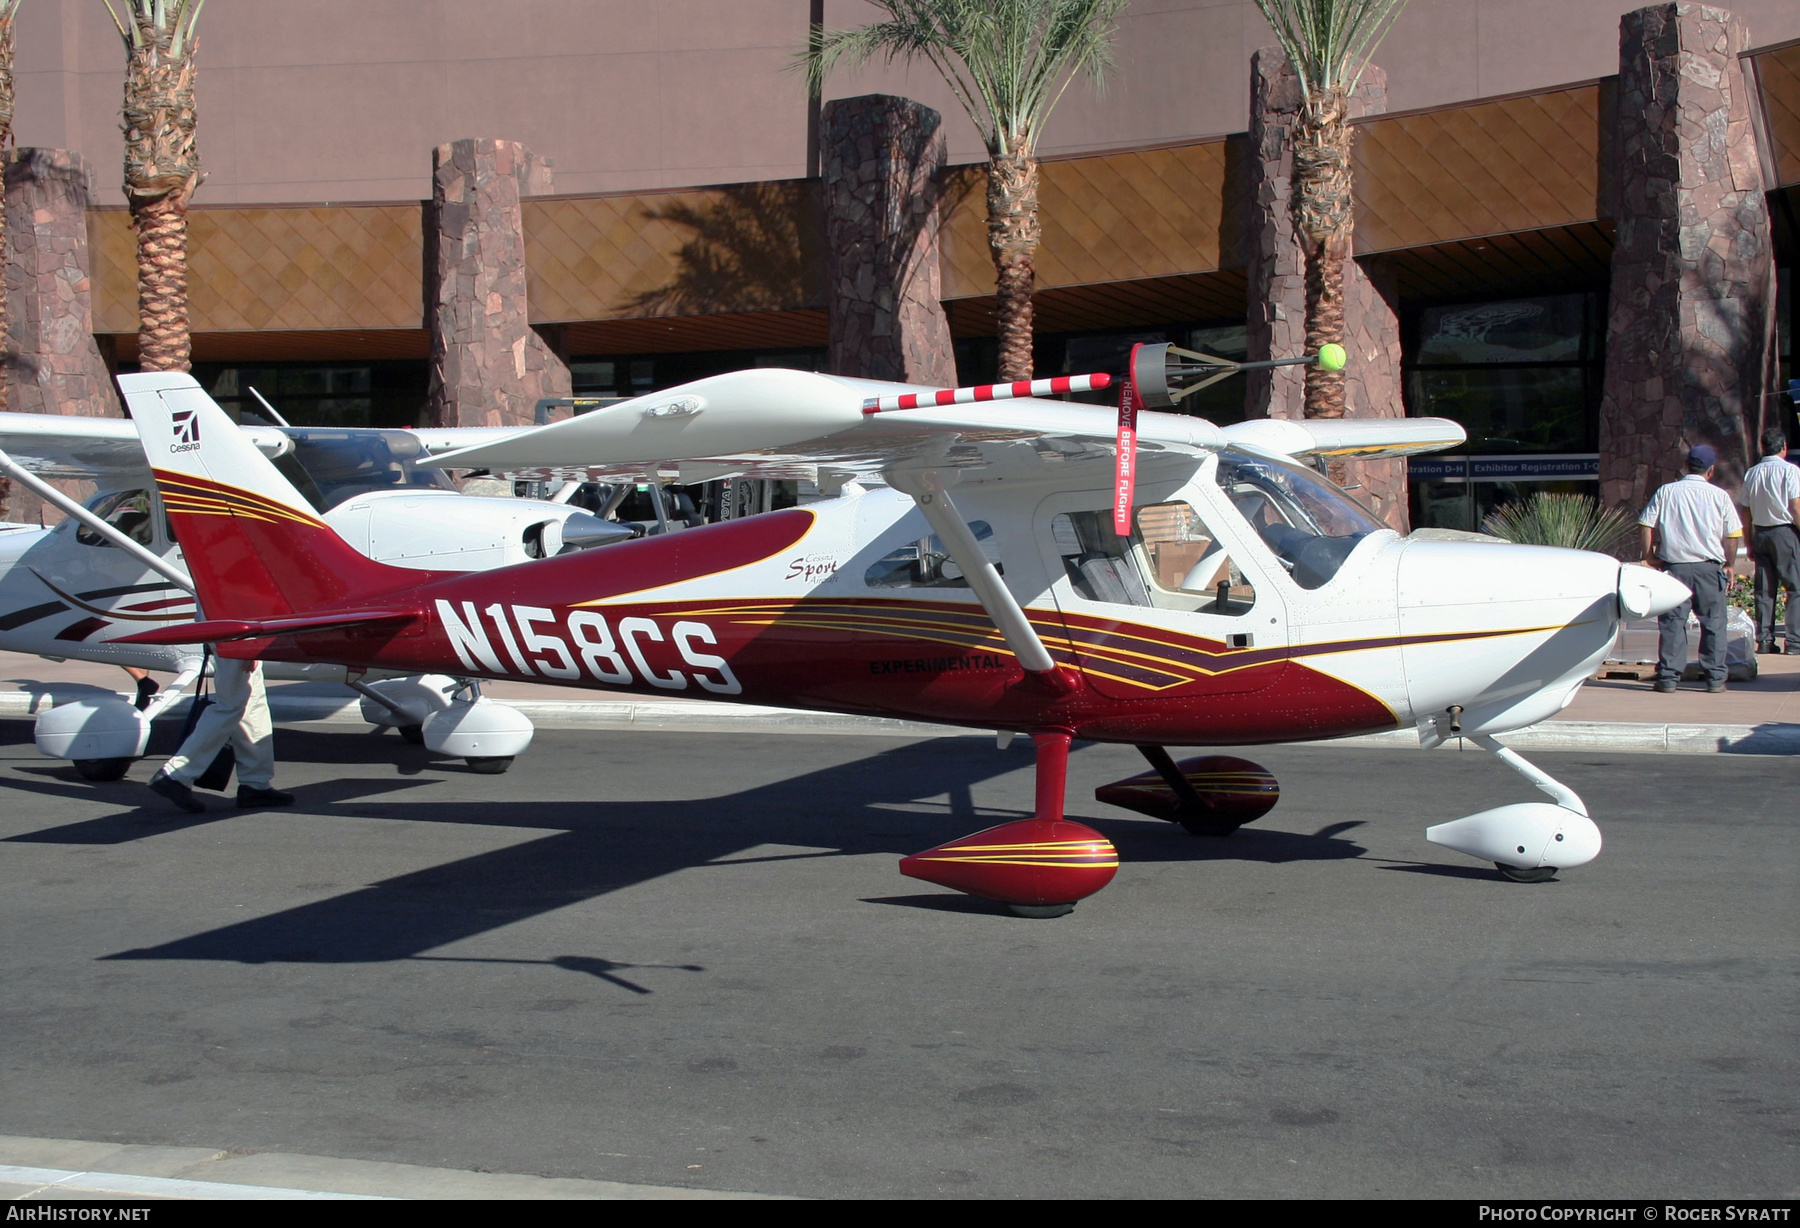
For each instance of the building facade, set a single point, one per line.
(649, 175)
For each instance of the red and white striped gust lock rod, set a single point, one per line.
(989, 392)
(1125, 467)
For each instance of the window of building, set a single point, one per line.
(977, 361)
(382, 394)
(633, 375)
(1523, 376)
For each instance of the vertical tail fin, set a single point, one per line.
(255, 547)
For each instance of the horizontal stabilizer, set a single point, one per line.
(215, 630)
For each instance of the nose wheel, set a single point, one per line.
(1528, 842)
(1541, 874)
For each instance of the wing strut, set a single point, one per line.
(927, 490)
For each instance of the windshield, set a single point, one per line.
(1311, 525)
(330, 466)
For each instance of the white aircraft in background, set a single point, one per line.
(112, 568)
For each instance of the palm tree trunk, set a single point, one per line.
(1324, 217)
(1013, 235)
(162, 234)
(1324, 324)
(6, 140)
(162, 169)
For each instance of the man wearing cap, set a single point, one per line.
(1771, 495)
(1690, 529)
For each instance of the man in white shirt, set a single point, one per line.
(1690, 529)
(1771, 496)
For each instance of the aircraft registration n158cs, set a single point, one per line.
(1030, 565)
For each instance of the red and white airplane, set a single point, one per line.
(1028, 565)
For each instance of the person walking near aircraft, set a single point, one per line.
(238, 717)
(146, 685)
(1690, 529)
(1771, 495)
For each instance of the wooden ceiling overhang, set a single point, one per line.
(1497, 195)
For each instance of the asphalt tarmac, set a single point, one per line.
(690, 961)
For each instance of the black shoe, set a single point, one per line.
(1664, 686)
(248, 797)
(146, 687)
(1767, 649)
(176, 792)
(1713, 688)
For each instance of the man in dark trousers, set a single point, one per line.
(1690, 529)
(1771, 496)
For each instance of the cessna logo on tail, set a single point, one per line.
(187, 431)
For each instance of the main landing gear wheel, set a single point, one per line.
(413, 733)
(102, 769)
(1040, 911)
(1213, 795)
(493, 766)
(1539, 874)
(1208, 826)
(1036, 867)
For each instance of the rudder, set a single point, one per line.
(255, 547)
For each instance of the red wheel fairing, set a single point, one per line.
(1031, 861)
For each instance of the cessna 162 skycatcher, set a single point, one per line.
(1035, 566)
(75, 590)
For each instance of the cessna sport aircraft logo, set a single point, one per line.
(187, 431)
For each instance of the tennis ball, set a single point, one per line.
(1331, 357)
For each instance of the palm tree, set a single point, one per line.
(1329, 43)
(162, 167)
(1008, 63)
(8, 10)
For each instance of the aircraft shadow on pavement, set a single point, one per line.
(150, 816)
(881, 803)
(605, 846)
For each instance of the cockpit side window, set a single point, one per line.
(1097, 560)
(1173, 561)
(1184, 556)
(924, 563)
(128, 511)
(1309, 524)
(331, 466)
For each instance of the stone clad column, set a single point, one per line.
(53, 365)
(488, 365)
(1277, 286)
(879, 158)
(1690, 352)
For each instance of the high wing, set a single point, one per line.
(64, 446)
(1347, 438)
(107, 450)
(775, 423)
